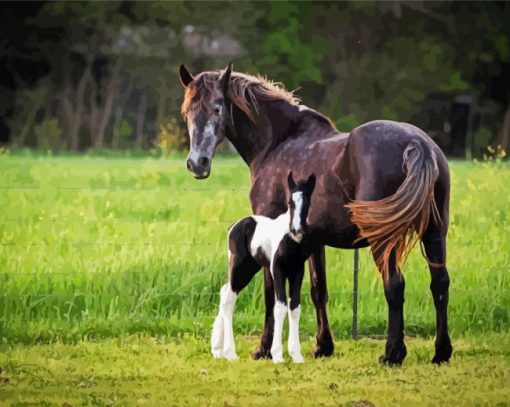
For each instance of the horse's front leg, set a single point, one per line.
(319, 292)
(264, 350)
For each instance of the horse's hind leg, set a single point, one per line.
(319, 293)
(394, 287)
(435, 249)
(266, 341)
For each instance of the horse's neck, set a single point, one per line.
(277, 122)
(254, 140)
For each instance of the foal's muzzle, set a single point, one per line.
(296, 235)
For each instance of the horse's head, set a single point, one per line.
(299, 204)
(206, 114)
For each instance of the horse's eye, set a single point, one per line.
(217, 110)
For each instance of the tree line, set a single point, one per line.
(96, 75)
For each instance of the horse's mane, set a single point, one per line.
(244, 90)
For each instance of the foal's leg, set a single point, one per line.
(242, 269)
(263, 351)
(222, 338)
(280, 311)
(319, 292)
(435, 248)
(295, 282)
(394, 286)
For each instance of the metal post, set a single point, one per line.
(355, 296)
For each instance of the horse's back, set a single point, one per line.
(375, 150)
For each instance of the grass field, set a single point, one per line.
(93, 247)
(147, 371)
(110, 270)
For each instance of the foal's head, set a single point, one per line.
(205, 112)
(299, 204)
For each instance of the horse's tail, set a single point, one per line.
(399, 220)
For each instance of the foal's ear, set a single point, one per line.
(225, 77)
(184, 76)
(310, 183)
(290, 181)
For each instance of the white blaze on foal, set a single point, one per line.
(279, 244)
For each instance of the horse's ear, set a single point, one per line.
(184, 76)
(290, 181)
(225, 77)
(310, 183)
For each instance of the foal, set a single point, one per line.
(281, 245)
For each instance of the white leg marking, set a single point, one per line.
(294, 345)
(227, 303)
(280, 310)
(217, 337)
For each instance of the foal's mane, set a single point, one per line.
(243, 90)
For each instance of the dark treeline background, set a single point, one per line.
(90, 76)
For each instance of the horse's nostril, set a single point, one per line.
(204, 161)
(188, 165)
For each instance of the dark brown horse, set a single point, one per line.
(384, 184)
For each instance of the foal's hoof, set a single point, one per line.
(298, 358)
(230, 356)
(443, 354)
(261, 353)
(217, 354)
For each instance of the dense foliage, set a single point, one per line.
(97, 75)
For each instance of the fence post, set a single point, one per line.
(355, 269)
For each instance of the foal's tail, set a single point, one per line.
(398, 221)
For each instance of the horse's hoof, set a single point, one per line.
(261, 353)
(394, 358)
(394, 354)
(278, 359)
(443, 354)
(383, 360)
(298, 359)
(323, 349)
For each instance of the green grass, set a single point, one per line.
(146, 371)
(107, 247)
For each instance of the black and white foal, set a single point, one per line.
(281, 245)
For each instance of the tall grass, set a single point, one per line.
(98, 247)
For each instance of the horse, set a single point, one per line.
(385, 184)
(281, 245)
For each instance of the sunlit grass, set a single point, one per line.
(163, 372)
(98, 247)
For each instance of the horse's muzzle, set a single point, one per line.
(200, 170)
